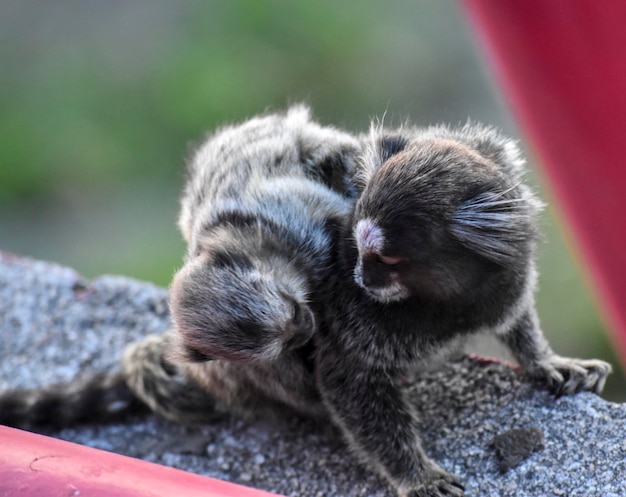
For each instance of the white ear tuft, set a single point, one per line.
(495, 227)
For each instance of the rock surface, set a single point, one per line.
(54, 324)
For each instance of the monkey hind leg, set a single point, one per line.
(561, 375)
(95, 398)
(164, 386)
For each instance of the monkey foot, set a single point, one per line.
(566, 376)
(442, 485)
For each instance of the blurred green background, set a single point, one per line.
(100, 101)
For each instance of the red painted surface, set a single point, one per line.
(37, 466)
(562, 64)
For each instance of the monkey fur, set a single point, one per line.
(440, 246)
(260, 213)
(102, 397)
(256, 212)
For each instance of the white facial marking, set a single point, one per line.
(392, 293)
(368, 236)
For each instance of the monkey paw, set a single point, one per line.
(565, 376)
(162, 386)
(441, 485)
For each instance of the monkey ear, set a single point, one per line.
(378, 148)
(495, 227)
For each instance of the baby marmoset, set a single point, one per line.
(260, 213)
(441, 246)
(260, 207)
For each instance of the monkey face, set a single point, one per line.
(226, 306)
(436, 220)
(411, 261)
(379, 274)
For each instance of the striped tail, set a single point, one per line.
(145, 383)
(97, 398)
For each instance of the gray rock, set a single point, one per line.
(55, 325)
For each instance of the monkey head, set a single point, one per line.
(440, 211)
(227, 303)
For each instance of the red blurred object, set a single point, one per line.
(37, 466)
(562, 64)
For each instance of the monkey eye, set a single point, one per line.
(386, 260)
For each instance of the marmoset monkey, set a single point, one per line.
(259, 213)
(441, 246)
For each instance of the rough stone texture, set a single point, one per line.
(54, 324)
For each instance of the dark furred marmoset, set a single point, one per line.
(441, 246)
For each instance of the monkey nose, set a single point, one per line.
(368, 272)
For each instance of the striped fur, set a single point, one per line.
(259, 212)
(256, 213)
